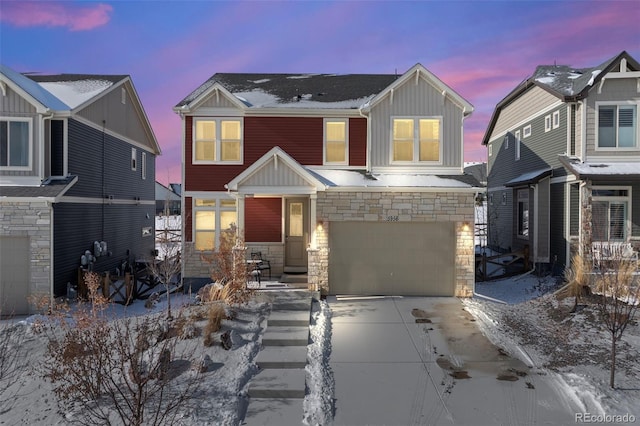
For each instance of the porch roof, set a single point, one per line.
(50, 190)
(362, 179)
(529, 178)
(602, 170)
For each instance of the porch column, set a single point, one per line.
(313, 219)
(240, 214)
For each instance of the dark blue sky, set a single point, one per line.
(482, 49)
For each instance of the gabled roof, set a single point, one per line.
(567, 83)
(76, 89)
(31, 90)
(295, 90)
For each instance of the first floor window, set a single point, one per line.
(416, 139)
(217, 140)
(609, 214)
(210, 217)
(14, 143)
(617, 126)
(523, 213)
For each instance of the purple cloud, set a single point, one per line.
(56, 14)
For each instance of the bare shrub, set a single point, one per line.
(12, 363)
(216, 314)
(578, 280)
(122, 371)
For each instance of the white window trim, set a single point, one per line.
(506, 140)
(490, 149)
(217, 209)
(134, 159)
(517, 136)
(324, 140)
(218, 148)
(626, 198)
(547, 123)
(556, 119)
(416, 140)
(597, 119)
(30, 143)
(526, 131)
(123, 96)
(143, 165)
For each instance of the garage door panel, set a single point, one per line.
(14, 275)
(392, 258)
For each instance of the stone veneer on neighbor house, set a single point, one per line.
(32, 220)
(408, 207)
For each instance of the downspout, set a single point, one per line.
(52, 255)
(368, 156)
(42, 149)
(583, 132)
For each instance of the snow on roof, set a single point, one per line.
(605, 168)
(530, 177)
(75, 93)
(38, 92)
(357, 178)
(261, 99)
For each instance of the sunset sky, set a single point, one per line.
(482, 49)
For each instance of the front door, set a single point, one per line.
(296, 232)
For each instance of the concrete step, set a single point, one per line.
(282, 357)
(278, 383)
(289, 318)
(285, 336)
(274, 411)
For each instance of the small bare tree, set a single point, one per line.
(618, 286)
(167, 266)
(127, 371)
(12, 362)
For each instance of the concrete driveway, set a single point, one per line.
(390, 369)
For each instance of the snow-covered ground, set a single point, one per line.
(518, 314)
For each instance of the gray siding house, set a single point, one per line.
(77, 173)
(564, 147)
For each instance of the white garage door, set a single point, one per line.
(14, 275)
(382, 258)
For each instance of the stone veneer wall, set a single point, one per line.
(408, 207)
(33, 220)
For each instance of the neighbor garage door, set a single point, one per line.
(397, 258)
(14, 275)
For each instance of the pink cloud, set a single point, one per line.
(55, 14)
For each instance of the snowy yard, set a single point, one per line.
(515, 314)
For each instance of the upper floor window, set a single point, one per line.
(556, 119)
(526, 132)
(14, 143)
(336, 144)
(617, 126)
(143, 165)
(416, 139)
(517, 144)
(547, 123)
(217, 141)
(134, 159)
(210, 217)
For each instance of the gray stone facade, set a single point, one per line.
(34, 221)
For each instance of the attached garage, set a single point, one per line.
(14, 275)
(392, 258)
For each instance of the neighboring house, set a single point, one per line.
(355, 179)
(77, 167)
(564, 146)
(167, 199)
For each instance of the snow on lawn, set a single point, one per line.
(522, 315)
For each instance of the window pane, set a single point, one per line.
(336, 131)
(617, 221)
(430, 129)
(402, 128)
(227, 203)
(4, 144)
(599, 219)
(205, 220)
(606, 129)
(205, 203)
(226, 219)
(230, 130)
(429, 151)
(336, 152)
(295, 220)
(205, 240)
(205, 151)
(19, 143)
(627, 127)
(205, 130)
(403, 151)
(230, 151)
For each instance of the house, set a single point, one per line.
(77, 173)
(356, 180)
(563, 148)
(168, 199)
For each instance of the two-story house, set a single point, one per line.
(355, 179)
(77, 174)
(564, 161)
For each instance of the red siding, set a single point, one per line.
(263, 220)
(358, 142)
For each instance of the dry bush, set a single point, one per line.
(578, 278)
(216, 314)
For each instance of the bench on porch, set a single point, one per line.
(606, 252)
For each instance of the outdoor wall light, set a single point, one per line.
(465, 226)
